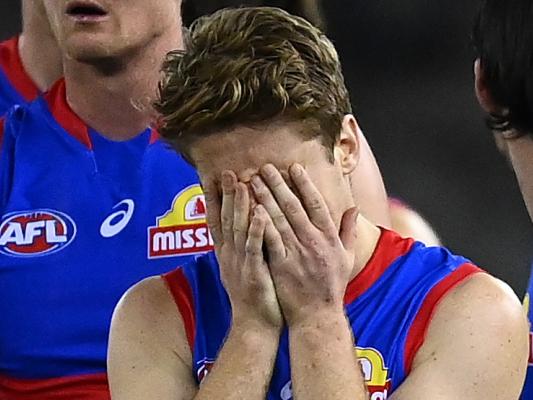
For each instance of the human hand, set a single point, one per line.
(309, 260)
(238, 238)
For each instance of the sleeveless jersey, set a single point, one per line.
(83, 219)
(527, 393)
(389, 305)
(16, 87)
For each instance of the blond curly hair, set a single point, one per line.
(246, 66)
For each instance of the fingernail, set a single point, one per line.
(297, 170)
(268, 169)
(226, 179)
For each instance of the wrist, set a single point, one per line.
(319, 319)
(252, 328)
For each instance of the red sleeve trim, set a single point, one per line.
(419, 328)
(83, 387)
(390, 247)
(181, 291)
(11, 64)
(2, 128)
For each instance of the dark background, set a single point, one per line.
(409, 68)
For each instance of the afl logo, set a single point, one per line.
(35, 233)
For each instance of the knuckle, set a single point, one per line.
(261, 195)
(251, 249)
(254, 233)
(313, 244)
(277, 183)
(226, 221)
(279, 220)
(315, 204)
(290, 207)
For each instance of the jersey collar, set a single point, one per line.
(390, 246)
(56, 98)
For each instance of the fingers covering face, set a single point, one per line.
(314, 203)
(213, 201)
(281, 204)
(254, 240)
(229, 182)
(241, 211)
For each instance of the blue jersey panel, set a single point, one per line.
(382, 304)
(82, 220)
(527, 393)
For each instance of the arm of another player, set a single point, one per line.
(408, 223)
(476, 346)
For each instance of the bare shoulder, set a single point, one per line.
(477, 342)
(483, 297)
(148, 313)
(148, 295)
(148, 356)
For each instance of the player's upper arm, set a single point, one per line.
(149, 356)
(476, 346)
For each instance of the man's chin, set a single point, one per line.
(93, 54)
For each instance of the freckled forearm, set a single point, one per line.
(323, 360)
(244, 367)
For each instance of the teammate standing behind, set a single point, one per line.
(31, 62)
(503, 37)
(91, 201)
(301, 287)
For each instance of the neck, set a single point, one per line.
(367, 239)
(121, 91)
(38, 48)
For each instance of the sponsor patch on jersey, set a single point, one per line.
(35, 233)
(183, 229)
(375, 373)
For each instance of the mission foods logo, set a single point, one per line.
(35, 233)
(183, 229)
(375, 373)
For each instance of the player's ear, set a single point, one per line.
(347, 147)
(484, 97)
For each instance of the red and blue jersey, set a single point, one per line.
(82, 219)
(389, 304)
(527, 393)
(16, 86)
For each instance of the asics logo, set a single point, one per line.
(116, 222)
